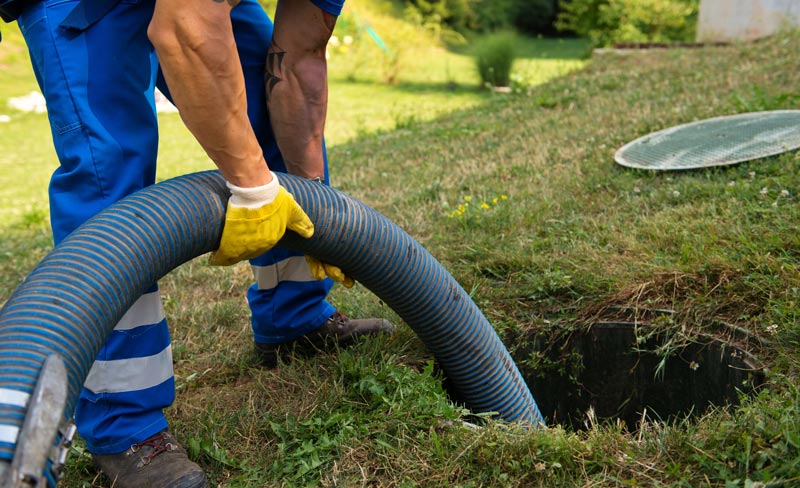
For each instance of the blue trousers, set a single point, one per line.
(99, 81)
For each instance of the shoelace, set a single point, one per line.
(337, 320)
(159, 444)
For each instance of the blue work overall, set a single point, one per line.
(98, 72)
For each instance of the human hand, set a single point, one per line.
(256, 219)
(320, 270)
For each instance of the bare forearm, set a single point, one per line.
(297, 85)
(297, 101)
(198, 56)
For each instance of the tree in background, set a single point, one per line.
(608, 21)
(528, 16)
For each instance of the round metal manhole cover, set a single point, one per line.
(714, 142)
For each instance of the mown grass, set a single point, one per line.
(575, 236)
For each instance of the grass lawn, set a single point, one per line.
(564, 238)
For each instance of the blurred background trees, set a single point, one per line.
(494, 32)
(603, 21)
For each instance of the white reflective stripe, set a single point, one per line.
(9, 434)
(125, 375)
(13, 397)
(294, 268)
(147, 310)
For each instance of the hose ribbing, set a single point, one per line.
(71, 301)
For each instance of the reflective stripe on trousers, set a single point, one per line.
(99, 84)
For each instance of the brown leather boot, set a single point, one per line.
(338, 330)
(157, 462)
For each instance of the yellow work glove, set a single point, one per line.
(256, 220)
(320, 270)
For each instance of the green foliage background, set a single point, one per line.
(529, 16)
(609, 21)
(565, 237)
(603, 21)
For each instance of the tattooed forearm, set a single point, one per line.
(274, 68)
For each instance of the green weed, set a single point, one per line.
(494, 57)
(756, 99)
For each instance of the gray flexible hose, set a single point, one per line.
(71, 301)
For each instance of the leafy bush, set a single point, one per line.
(455, 14)
(491, 15)
(433, 23)
(494, 55)
(608, 21)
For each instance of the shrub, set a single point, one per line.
(492, 15)
(433, 24)
(608, 21)
(456, 14)
(494, 55)
(461, 17)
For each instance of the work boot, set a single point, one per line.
(157, 462)
(338, 330)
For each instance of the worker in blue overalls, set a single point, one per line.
(255, 98)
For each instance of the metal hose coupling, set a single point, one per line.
(43, 442)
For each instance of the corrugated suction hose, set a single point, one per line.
(71, 301)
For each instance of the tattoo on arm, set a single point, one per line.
(274, 68)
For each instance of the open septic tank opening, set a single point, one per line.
(603, 368)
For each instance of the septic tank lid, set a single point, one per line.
(715, 142)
